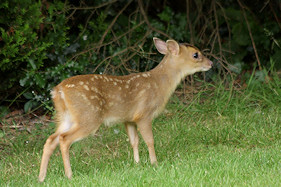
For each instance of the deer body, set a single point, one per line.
(84, 102)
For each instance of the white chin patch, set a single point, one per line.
(205, 69)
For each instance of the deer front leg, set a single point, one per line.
(145, 128)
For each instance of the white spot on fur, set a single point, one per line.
(117, 80)
(62, 94)
(81, 82)
(86, 87)
(95, 90)
(70, 85)
(141, 93)
(94, 97)
(84, 96)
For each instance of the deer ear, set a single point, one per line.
(173, 47)
(160, 45)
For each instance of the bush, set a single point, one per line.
(19, 41)
(44, 42)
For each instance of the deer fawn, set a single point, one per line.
(84, 102)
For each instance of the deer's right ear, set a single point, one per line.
(160, 45)
(173, 47)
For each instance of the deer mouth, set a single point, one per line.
(208, 66)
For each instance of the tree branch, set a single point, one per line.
(250, 33)
(112, 23)
(147, 21)
(189, 22)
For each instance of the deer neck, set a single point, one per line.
(168, 75)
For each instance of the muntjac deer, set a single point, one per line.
(84, 102)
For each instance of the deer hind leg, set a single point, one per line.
(52, 142)
(66, 139)
(48, 150)
(77, 132)
(134, 139)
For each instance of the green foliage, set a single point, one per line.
(267, 44)
(19, 23)
(43, 42)
(171, 18)
(29, 40)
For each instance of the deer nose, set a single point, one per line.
(211, 63)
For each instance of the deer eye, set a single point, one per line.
(195, 55)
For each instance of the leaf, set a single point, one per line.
(39, 80)
(236, 68)
(28, 106)
(3, 111)
(233, 14)
(61, 59)
(166, 15)
(51, 56)
(71, 49)
(261, 75)
(31, 62)
(23, 81)
(240, 34)
(28, 95)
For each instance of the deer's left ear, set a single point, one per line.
(160, 45)
(173, 47)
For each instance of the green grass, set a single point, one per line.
(222, 138)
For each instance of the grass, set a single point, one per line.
(222, 138)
